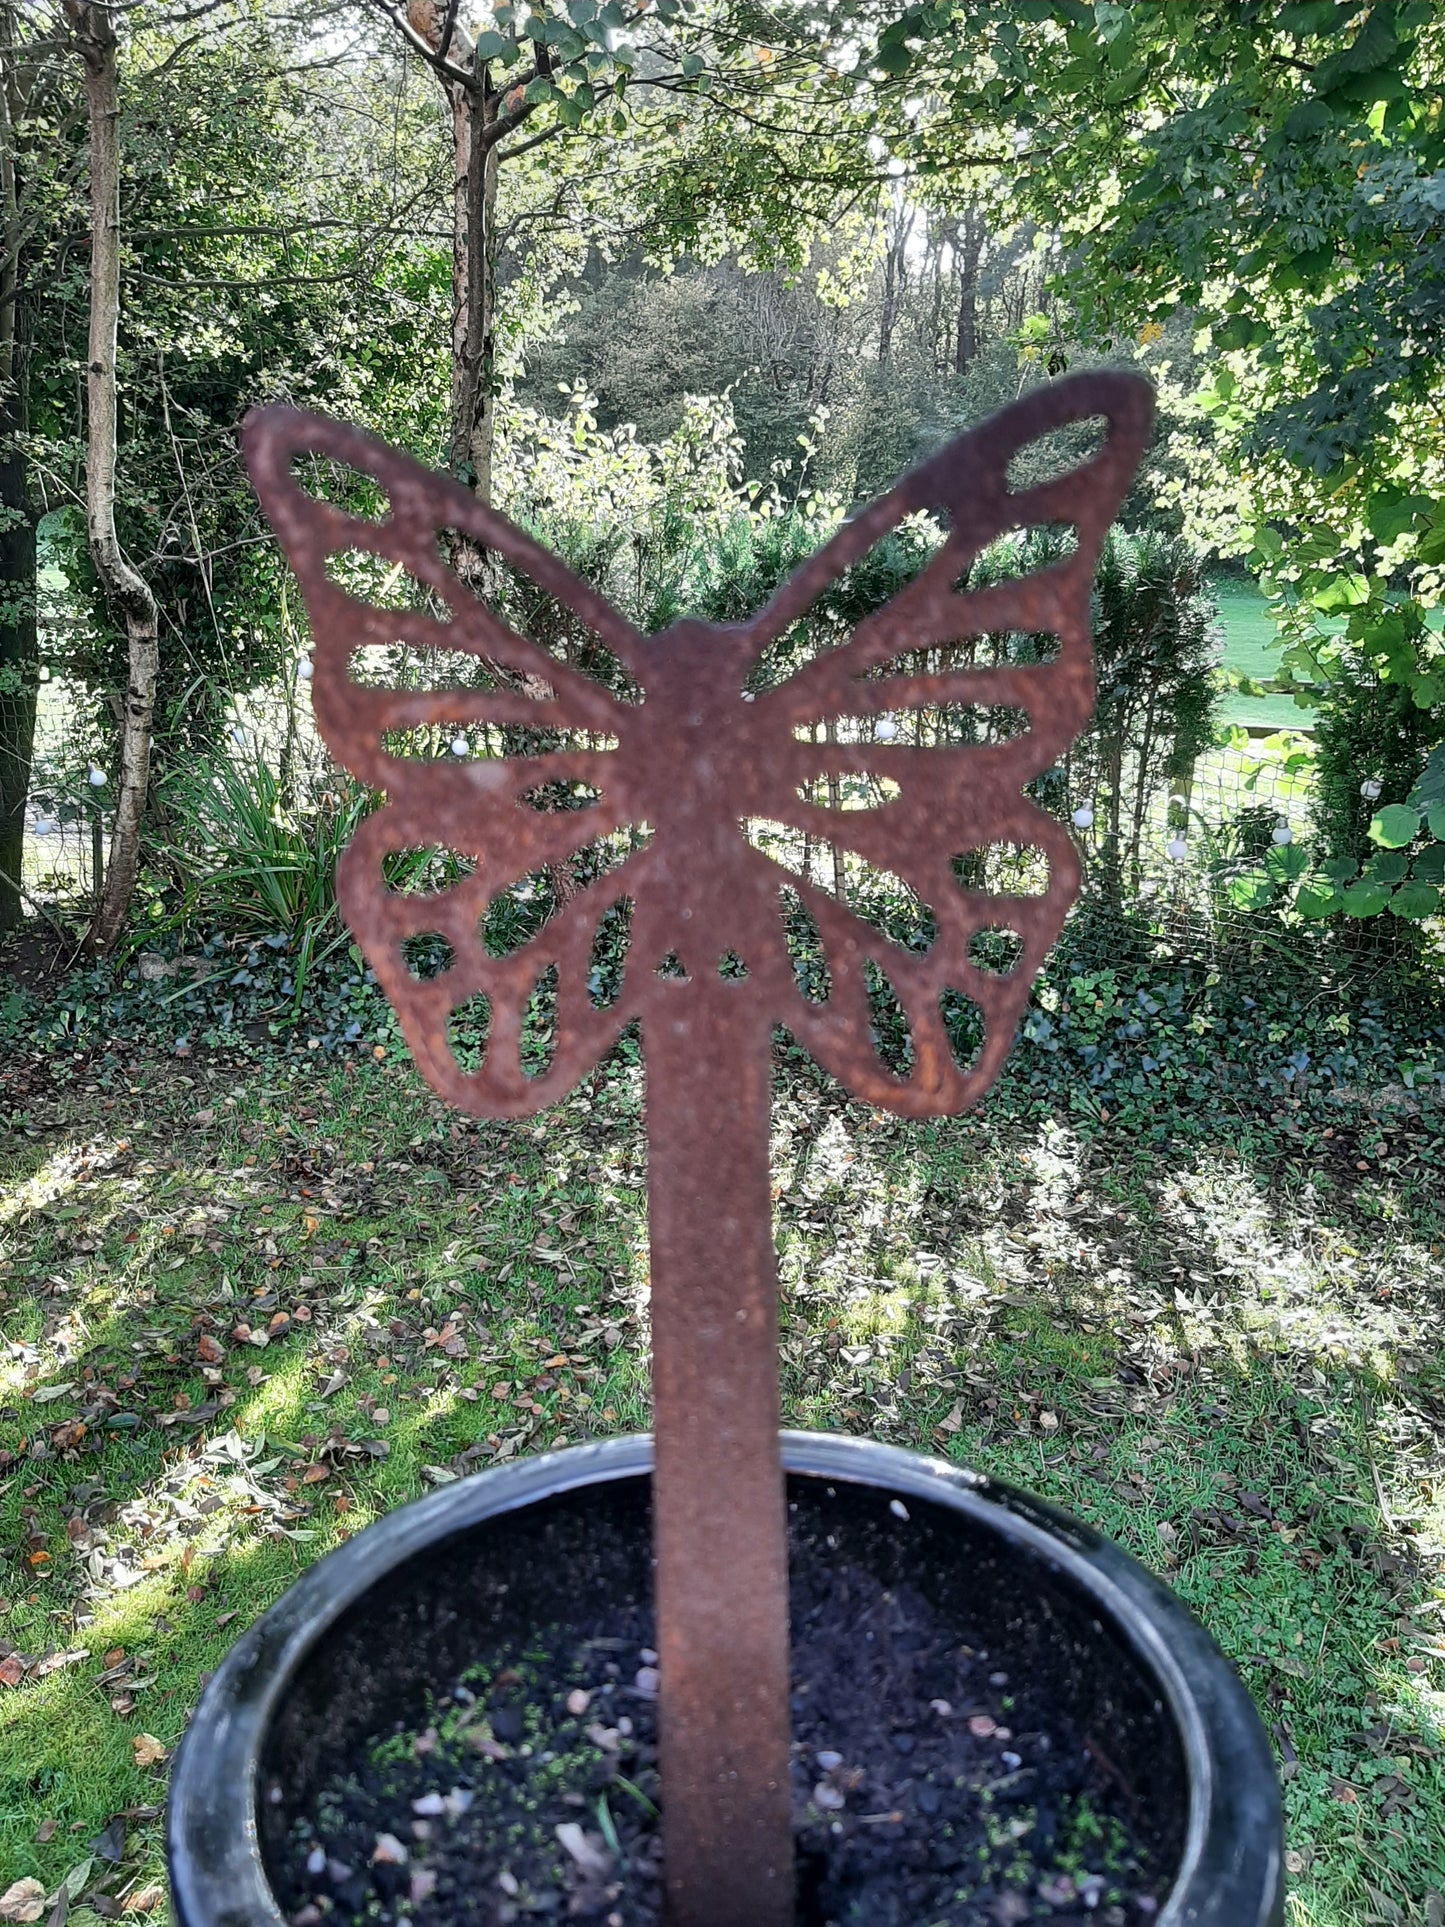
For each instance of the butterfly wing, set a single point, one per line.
(949, 802)
(512, 817)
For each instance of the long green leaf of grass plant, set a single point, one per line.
(255, 862)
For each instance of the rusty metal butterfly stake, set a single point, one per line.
(692, 759)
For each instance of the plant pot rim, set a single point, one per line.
(1230, 1872)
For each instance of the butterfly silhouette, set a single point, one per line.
(672, 763)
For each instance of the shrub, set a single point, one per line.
(1155, 648)
(249, 860)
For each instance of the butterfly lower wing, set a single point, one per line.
(470, 1016)
(917, 1017)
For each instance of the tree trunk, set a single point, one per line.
(95, 38)
(17, 521)
(474, 290)
(895, 275)
(970, 249)
(835, 802)
(933, 272)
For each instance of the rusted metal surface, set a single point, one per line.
(693, 754)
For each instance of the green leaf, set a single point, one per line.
(1372, 50)
(1311, 16)
(1111, 19)
(1390, 866)
(1268, 542)
(1252, 891)
(1318, 899)
(74, 1881)
(492, 46)
(1429, 864)
(1394, 826)
(1287, 863)
(1415, 901)
(1366, 898)
(692, 65)
(1341, 592)
(1436, 819)
(538, 90)
(1429, 790)
(1389, 517)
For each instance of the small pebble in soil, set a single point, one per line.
(528, 1795)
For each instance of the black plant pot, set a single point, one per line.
(358, 1640)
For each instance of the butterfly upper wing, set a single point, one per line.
(952, 800)
(473, 807)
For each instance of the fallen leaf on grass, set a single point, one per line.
(142, 1901)
(208, 1350)
(73, 1884)
(24, 1901)
(110, 1845)
(11, 1671)
(314, 1474)
(147, 1750)
(45, 1831)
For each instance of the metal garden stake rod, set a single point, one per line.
(685, 757)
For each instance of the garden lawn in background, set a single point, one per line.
(249, 1303)
(1251, 648)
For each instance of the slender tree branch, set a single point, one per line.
(534, 140)
(456, 76)
(449, 27)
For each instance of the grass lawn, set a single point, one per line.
(1251, 648)
(250, 1304)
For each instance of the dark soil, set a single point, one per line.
(39, 957)
(928, 1791)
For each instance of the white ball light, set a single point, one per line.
(303, 669)
(1282, 834)
(43, 826)
(95, 776)
(1083, 819)
(1371, 788)
(460, 746)
(886, 729)
(1176, 849)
